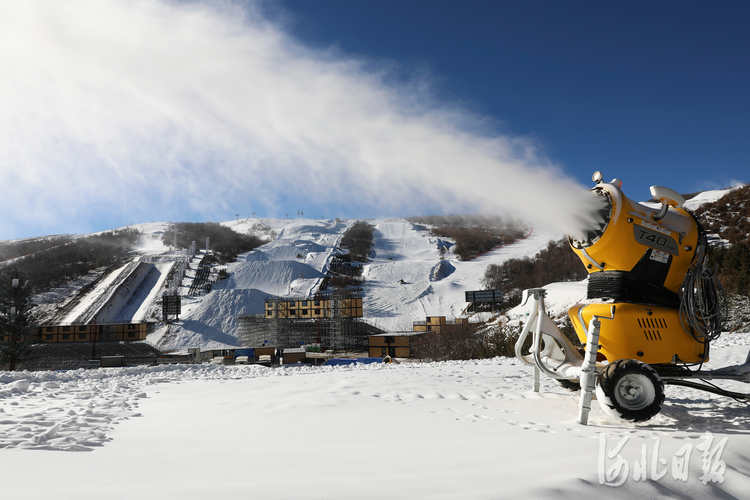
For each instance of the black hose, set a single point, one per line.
(713, 389)
(703, 303)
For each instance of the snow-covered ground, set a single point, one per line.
(471, 429)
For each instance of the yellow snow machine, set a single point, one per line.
(653, 307)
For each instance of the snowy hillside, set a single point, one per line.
(706, 197)
(405, 280)
(430, 287)
(402, 280)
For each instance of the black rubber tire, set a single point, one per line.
(630, 389)
(568, 385)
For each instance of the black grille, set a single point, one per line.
(618, 286)
(651, 326)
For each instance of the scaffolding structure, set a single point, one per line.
(338, 327)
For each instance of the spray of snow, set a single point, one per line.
(157, 109)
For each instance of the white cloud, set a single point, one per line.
(147, 108)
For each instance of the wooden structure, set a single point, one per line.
(395, 345)
(329, 306)
(440, 324)
(401, 344)
(89, 333)
(293, 355)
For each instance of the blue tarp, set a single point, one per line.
(369, 360)
(347, 361)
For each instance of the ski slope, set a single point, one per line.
(132, 300)
(293, 264)
(402, 253)
(401, 284)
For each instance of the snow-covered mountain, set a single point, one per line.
(405, 278)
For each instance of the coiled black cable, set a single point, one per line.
(703, 303)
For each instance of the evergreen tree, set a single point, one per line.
(15, 321)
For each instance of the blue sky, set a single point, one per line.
(120, 112)
(649, 92)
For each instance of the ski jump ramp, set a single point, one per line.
(123, 296)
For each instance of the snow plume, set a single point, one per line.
(119, 111)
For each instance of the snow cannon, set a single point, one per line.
(644, 261)
(653, 307)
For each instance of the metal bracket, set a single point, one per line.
(557, 358)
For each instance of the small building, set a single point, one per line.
(440, 324)
(293, 355)
(216, 353)
(395, 345)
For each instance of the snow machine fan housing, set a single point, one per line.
(639, 240)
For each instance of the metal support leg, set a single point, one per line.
(537, 343)
(588, 371)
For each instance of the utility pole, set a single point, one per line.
(16, 320)
(238, 217)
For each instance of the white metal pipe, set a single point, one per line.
(588, 371)
(523, 336)
(536, 347)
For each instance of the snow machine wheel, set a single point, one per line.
(568, 385)
(630, 389)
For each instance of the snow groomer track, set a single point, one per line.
(121, 296)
